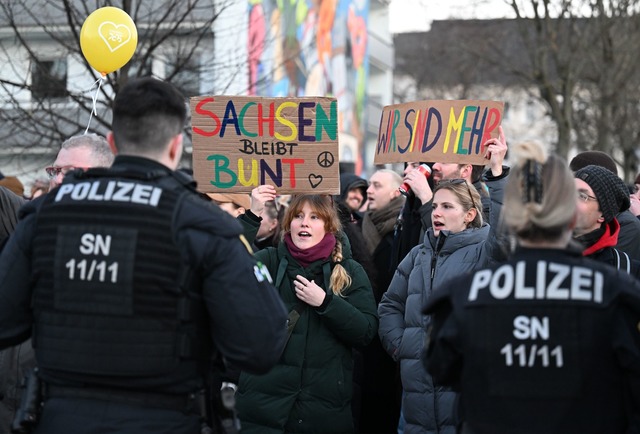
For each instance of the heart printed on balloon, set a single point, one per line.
(114, 35)
(108, 39)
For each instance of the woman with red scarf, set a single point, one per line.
(332, 310)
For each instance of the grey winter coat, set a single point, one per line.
(427, 407)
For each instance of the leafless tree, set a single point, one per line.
(608, 100)
(586, 68)
(41, 106)
(578, 57)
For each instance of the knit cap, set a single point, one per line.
(611, 192)
(597, 158)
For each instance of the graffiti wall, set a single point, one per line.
(312, 48)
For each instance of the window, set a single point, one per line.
(49, 78)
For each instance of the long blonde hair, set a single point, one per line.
(324, 207)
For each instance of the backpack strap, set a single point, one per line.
(627, 261)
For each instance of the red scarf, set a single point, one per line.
(608, 239)
(322, 250)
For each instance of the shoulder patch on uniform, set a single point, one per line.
(246, 243)
(262, 273)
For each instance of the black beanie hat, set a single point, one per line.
(597, 158)
(611, 192)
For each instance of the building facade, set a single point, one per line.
(340, 48)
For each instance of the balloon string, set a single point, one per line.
(94, 98)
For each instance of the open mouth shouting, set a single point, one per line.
(304, 238)
(438, 226)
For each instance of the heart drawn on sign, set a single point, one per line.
(114, 35)
(315, 180)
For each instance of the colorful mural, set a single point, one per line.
(312, 48)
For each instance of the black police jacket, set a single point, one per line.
(547, 342)
(135, 256)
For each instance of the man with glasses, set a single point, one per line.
(79, 152)
(629, 225)
(601, 196)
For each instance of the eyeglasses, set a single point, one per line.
(458, 181)
(583, 196)
(54, 171)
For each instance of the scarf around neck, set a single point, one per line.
(605, 236)
(305, 257)
(378, 223)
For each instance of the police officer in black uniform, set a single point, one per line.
(129, 282)
(547, 342)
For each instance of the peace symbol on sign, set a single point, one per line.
(326, 159)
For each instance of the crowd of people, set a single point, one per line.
(484, 297)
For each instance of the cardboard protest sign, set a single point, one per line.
(242, 142)
(437, 131)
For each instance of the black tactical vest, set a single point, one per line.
(109, 296)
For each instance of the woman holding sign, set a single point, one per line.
(458, 240)
(332, 310)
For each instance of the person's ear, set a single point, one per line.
(175, 148)
(466, 170)
(470, 216)
(112, 143)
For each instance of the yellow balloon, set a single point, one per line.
(108, 39)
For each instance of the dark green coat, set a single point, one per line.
(309, 390)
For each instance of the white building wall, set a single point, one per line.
(380, 81)
(230, 53)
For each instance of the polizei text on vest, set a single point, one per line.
(111, 191)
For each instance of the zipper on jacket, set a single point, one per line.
(436, 252)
